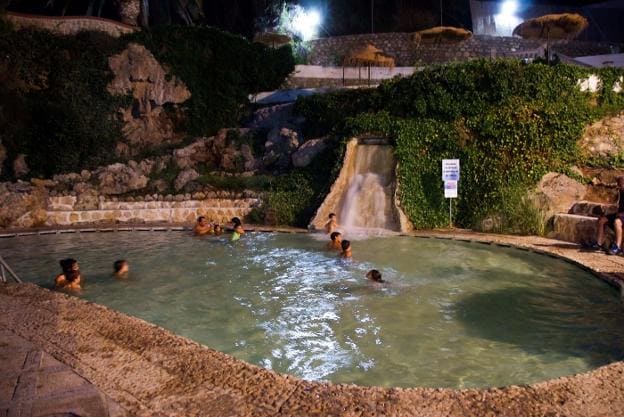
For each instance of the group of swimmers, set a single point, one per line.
(344, 246)
(71, 279)
(203, 227)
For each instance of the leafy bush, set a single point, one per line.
(507, 122)
(56, 110)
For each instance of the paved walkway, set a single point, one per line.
(33, 383)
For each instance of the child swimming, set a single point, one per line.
(70, 279)
(121, 267)
(345, 245)
(374, 275)
(336, 239)
(238, 229)
(202, 227)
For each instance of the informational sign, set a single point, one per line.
(450, 170)
(450, 189)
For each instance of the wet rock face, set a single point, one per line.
(146, 123)
(605, 138)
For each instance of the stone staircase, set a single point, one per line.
(580, 222)
(62, 211)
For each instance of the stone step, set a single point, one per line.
(592, 209)
(574, 228)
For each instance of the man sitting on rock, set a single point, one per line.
(614, 221)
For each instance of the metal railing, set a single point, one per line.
(6, 271)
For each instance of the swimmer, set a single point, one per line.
(202, 227)
(332, 223)
(374, 275)
(238, 229)
(70, 278)
(336, 239)
(345, 245)
(218, 230)
(121, 267)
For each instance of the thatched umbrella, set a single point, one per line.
(441, 34)
(552, 26)
(367, 56)
(272, 39)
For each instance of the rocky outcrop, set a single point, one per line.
(605, 138)
(22, 204)
(129, 11)
(146, 122)
(280, 145)
(184, 178)
(308, 151)
(20, 167)
(120, 179)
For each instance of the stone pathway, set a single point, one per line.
(34, 384)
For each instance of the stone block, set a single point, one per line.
(574, 228)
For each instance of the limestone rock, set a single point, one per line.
(605, 138)
(20, 167)
(18, 199)
(119, 179)
(271, 117)
(280, 144)
(87, 197)
(139, 74)
(557, 193)
(308, 151)
(184, 178)
(129, 11)
(159, 185)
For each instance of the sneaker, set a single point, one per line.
(614, 250)
(592, 246)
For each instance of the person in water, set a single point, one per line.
(202, 227)
(70, 279)
(332, 223)
(614, 221)
(374, 275)
(345, 245)
(238, 229)
(121, 267)
(336, 240)
(218, 230)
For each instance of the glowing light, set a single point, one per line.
(306, 23)
(509, 8)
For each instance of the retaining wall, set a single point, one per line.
(69, 25)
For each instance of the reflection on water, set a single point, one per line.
(452, 314)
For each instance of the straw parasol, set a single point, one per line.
(368, 56)
(552, 26)
(272, 39)
(441, 34)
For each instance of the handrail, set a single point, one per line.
(4, 267)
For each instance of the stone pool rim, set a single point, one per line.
(291, 395)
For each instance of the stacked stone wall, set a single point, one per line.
(69, 25)
(331, 51)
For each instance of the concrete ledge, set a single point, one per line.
(149, 371)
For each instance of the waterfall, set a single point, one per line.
(363, 196)
(369, 199)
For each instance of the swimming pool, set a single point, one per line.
(452, 315)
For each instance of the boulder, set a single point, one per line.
(185, 177)
(120, 179)
(557, 193)
(280, 145)
(308, 151)
(271, 117)
(18, 199)
(87, 197)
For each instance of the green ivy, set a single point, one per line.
(509, 124)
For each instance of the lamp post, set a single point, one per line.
(372, 14)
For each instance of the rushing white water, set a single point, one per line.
(368, 202)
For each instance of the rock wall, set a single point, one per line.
(69, 25)
(605, 138)
(331, 51)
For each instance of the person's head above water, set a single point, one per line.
(335, 235)
(332, 216)
(201, 220)
(121, 267)
(345, 245)
(70, 268)
(374, 275)
(236, 221)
